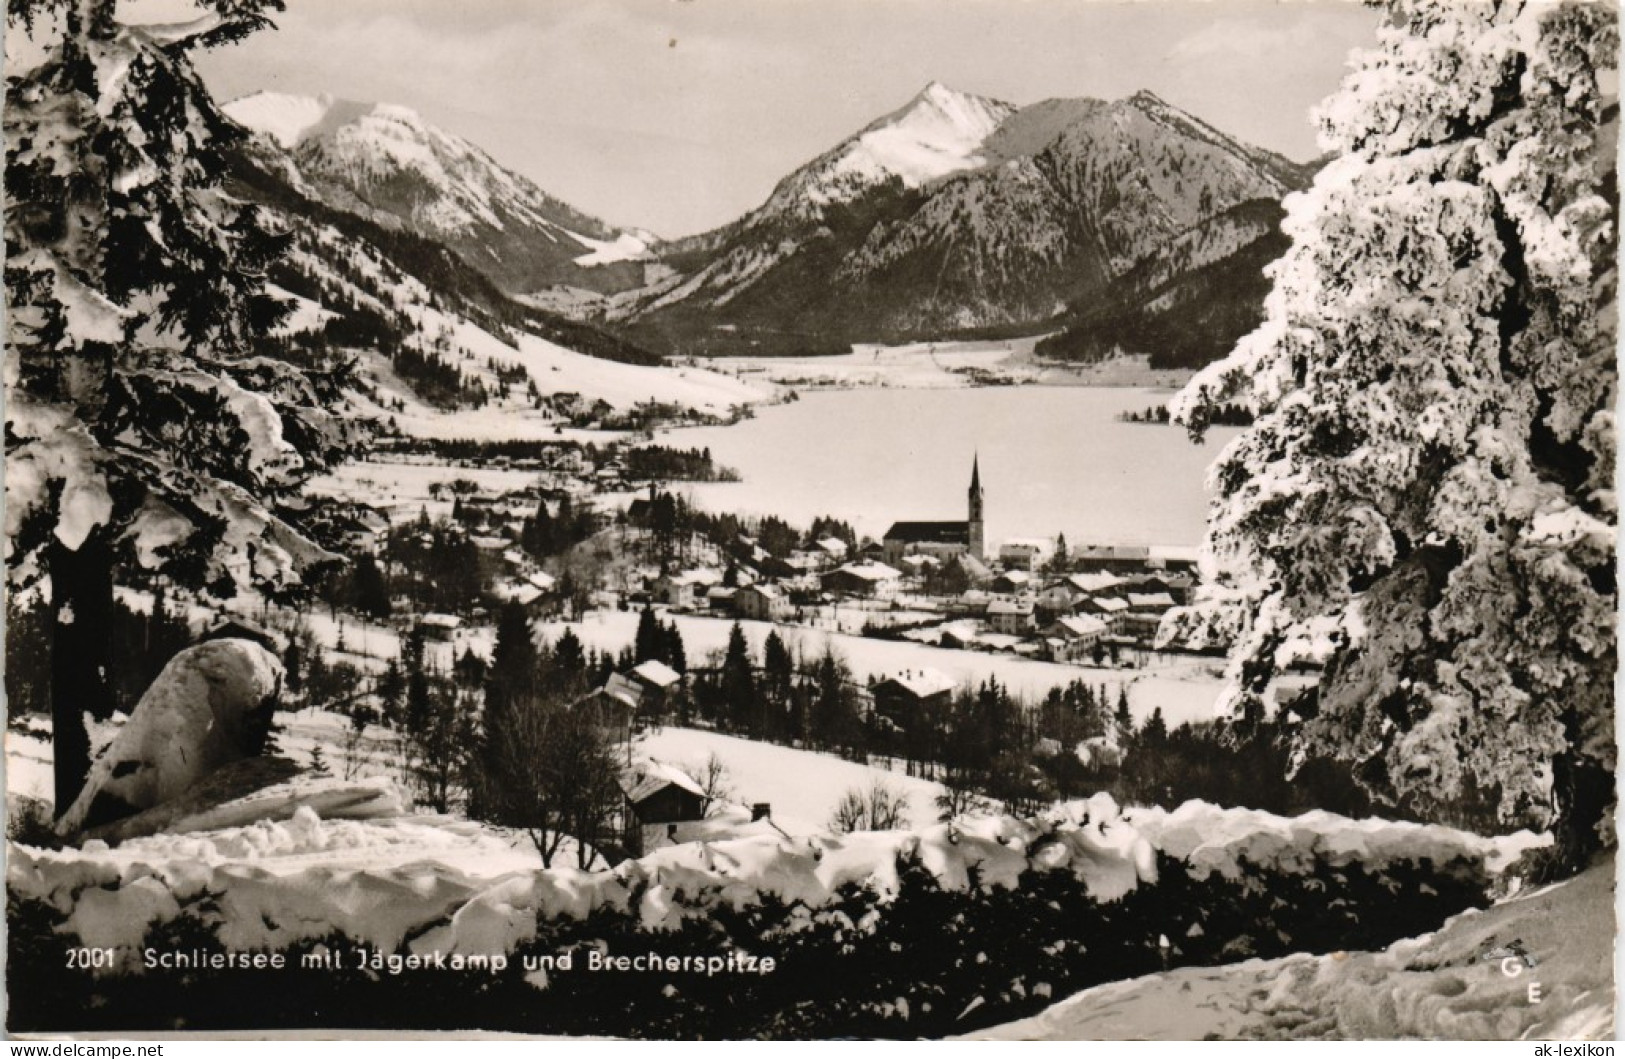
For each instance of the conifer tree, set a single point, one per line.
(739, 683)
(778, 676)
(514, 674)
(140, 426)
(676, 655)
(649, 642)
(1426, 499)
(570, 673)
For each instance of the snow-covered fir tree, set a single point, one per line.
(141, 428)
(1426, 500)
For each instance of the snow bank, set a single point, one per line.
(437, 884)
(1450, 984)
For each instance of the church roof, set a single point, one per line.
(934, 532)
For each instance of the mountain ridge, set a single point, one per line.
(968, 213)
(952, 214)
(385, 162)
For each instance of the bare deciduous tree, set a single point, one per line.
(715, 780)
(881, 808)
(553, 773)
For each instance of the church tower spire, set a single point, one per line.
(974, 525)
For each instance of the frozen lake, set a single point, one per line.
(1054, 459)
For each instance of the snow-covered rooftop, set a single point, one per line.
(657, 673)
(1097, 582)
(923, 683)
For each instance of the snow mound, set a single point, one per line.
(1456, 983)
(210, 706)
(1210, 839)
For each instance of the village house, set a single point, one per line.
(1056, 599)
(1012, 582)
(1108, 608)
(1011, 617)
(1096, 583)
(368, 531)
(440, 628)
(1144, 614)
(806, 562)
(905, 698)
(659, 684)
(1111, 558)
(1075, 636)
(614, 706)
(1176, 559)
(1149, 602)
(527, 595)
(684, 590)
(1176, 586)
(762, 603)
(861, 579)
(720, 599)
(658, 797)
(1023, 553)
(833, 548)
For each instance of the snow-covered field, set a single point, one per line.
(802, 787)
(1186, 689)
(1455, 983)
(915, 365)
(28, 765)
(555, 369)
(402, 488)
(944, 365)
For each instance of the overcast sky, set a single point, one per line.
(679, 115)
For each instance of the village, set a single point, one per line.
(587, 538)
(569, 536)
(551, 548)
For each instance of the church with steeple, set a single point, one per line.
(943, 539)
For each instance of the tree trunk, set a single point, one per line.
(81, 655)
(1584, 792)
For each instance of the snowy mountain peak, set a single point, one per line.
(385, 161)
(940, 95)
(287, 119)
(938, 132)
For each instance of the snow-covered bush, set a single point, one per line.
(885, 933)
(1426, 499)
